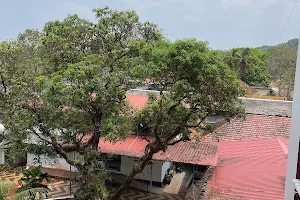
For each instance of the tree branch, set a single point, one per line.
(199, 123)
(145, 138)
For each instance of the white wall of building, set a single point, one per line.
(2, 158)
(58, 163)
(166, 165)
(157, 169)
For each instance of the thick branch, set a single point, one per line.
(3, 83)
(199, 123)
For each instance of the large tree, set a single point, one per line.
(282, 64)
(198, 83)
(249, 64)
(66, 87)
(68, 90)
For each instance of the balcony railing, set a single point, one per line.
(297, 189)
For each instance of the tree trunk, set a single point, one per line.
(279, 85)
(143, 163)
(243, 70)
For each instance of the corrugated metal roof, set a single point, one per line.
(253, 127)
(250, 169)
(185, 152)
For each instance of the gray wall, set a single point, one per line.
(126, 166)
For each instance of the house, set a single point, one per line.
(126, 151)
(121, 155)
(264, 130)
(253, 153)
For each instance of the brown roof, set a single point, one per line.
(247, 88)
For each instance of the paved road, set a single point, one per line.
(63, 190)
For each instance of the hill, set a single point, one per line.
(293, 43)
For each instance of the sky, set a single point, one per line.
(223, 23)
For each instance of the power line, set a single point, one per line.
(288, 21)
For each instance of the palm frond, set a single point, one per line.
(31, 194)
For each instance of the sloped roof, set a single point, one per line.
(247, 88)
(250, 169)
(185, 152)
(253, 127)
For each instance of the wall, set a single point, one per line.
(46, 162)
(2, 158)
(126, 166)
(166, 165)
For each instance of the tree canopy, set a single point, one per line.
(282, 65)
(250, 65)
(65, 87)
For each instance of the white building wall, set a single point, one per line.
(2, 158)
(126, 167)
(166, 165)
(58, 163)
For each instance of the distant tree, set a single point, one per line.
(268, 50)
(281, 64)
(249, 64)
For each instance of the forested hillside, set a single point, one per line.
(281, 64)
(292, 43)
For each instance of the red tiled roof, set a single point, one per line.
(191, 153)
(137, 101)
(250, 169)
(132, 146)
(253, 127)
(185, 152)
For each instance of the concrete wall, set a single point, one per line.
(166, 165)
(2, 158)
(46, 162)
(126, 167)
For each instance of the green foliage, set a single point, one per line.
(5, 187)
(282, 65)
(64, 88)
(194, 75)
(68, 81)
(250, 65)
(34, 178)
(269, 50)
(31, 194)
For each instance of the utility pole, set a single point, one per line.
(293, 163)
(150, 163)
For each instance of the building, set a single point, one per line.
(253, 153)
(250, 169)
(122, 154)
(232, 148)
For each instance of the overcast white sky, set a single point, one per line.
(223, 23)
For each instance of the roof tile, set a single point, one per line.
(253, 127)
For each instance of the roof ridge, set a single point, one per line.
(132, 143)
(283, 147)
